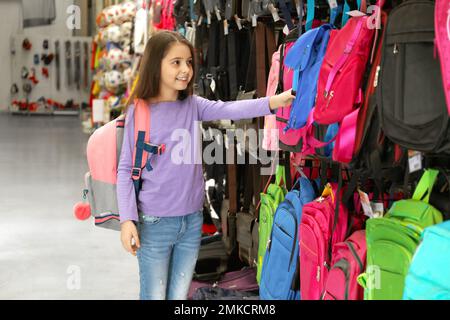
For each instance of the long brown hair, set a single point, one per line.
(150, 66)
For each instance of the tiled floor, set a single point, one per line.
(45, 253)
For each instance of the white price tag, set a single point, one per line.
(254, 20)
(200, 19)
(286, 30)
(274, 12)
(414, 161)
(365, 202)
(213, 85)
(333, 3)
(377, 209)
(225, 27)
(238, 22)
(208, 17)
(356, 13)
(219, 18)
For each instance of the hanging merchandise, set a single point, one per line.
(306, 64)
(270, 200)
(77, 58)
(47, 58)
(442, 30)
(393, 240)
(57, 65)
(38, 12)
(33, 77)
(45, 72)
(24, 73)
(324, 223)
(141, 29)
(85, 65)
(114, 51)
(425, 279)
(26, 44)
(14, 89)
(349, 261)
(410, 78)
(281, 258)
(339, 89)
(36, 59)
(68, 58)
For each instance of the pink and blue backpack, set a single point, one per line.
(103, 154)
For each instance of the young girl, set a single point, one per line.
(163, 227)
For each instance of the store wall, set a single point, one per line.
(10, 24)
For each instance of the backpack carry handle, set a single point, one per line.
(425, 186)
(280, 175)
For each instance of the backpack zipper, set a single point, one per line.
(353, 251)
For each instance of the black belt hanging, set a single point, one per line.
(85, 65)
(232, 66)
(57, 63)
(68, 56)
(77, 58)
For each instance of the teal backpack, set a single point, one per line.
(276, 192)
(428, 277)
(393, 240)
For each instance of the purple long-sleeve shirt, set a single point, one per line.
(173, 188)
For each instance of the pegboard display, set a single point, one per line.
(50, 75)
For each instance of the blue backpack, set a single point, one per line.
(280, 271)
(306, 57)
(428, 277)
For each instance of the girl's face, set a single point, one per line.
(176, 69)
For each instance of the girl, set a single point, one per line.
(163, 227)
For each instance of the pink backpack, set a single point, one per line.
(349, 261)
(339, 89)
(288, 141)
(270, 140)
(442, 30)
(103, 153)
(321, 227)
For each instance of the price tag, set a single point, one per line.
(200, 19)
(377, 209)
(226, 142)
(254, 20)
(414, 161)
(219, 18)
(225, 27)
(365, 202)
(213, 85)
(238, 22)
(274, 12)
(333, 4)
(286, 30)
(356, 13)
(208, 17)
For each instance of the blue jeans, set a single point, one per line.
(168, 255)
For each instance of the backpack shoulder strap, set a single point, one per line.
(142, 147)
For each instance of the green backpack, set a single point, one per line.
(393, 240)
(276, 193)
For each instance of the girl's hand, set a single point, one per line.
(281, 100)
(128, 233)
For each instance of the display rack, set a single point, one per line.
(61, 83)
